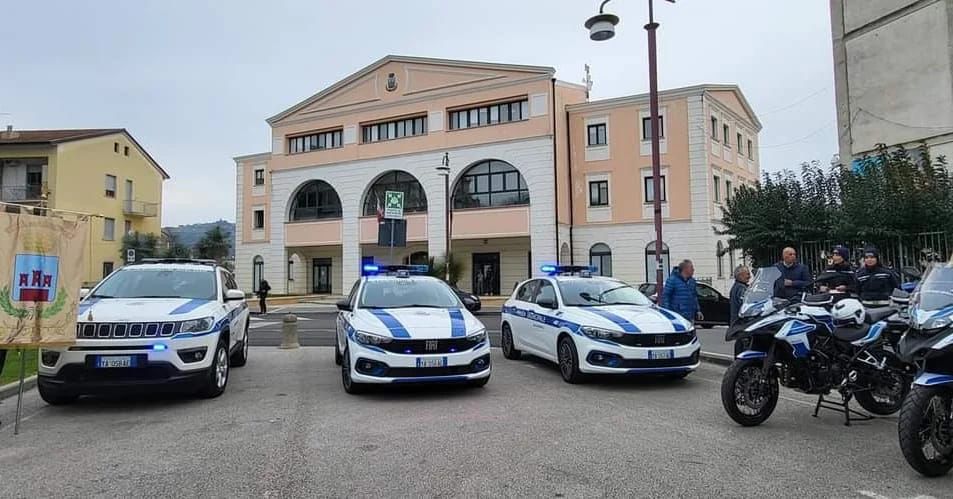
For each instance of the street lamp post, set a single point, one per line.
(444, 170)
(602, 27)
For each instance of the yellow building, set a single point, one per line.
(100, 171)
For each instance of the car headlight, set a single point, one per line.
(370, 339)
(196, 325)
(599, 333)
(691, 333)
(477, 337)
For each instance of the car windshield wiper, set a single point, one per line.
(622, 303)
(101, 296)
(158, 296)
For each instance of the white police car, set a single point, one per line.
(160, 324)
(595, 325)
(401, 327)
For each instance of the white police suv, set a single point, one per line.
(398, 326)
(595, 325)
(160, 324)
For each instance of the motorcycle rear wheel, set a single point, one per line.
(881, 399)
(926, 430)
(748, 393)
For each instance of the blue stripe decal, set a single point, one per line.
(931, 379)
(432, 379)
(543, 319)
(188, 306)
(397, 330)
(751, 354)
(458, 327)
(619, 321)
(675, 322)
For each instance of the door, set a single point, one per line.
(321, 276)
(542, 335)
(713, 305)
(233, 309)
(520, 325)
(486, 274)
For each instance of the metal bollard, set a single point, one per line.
(289, 332)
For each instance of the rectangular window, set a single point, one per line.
(260, 176)
(128, 227)
(315, 141)
(750, 150)
(647, 127)
(727, 134)
(714, 128)
(599, 193)
(597, 135)
(489, 115)
(740, 144)
(116, 147)
(727, 190)
(107, 269)
(125, 151)
(109, 229)
(395, 129)
(110, 186)
(259, 219)
(650, 189)
(717, 188)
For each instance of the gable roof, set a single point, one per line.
(406, 59)
(53, 137)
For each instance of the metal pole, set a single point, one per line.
(656, 158)
(391, 257)
(446, 193)
(16, 422)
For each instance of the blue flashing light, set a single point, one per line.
(549, 269)
(159, 347)
(580, 270)
(371, 269)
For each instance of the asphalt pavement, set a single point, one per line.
(285, 428)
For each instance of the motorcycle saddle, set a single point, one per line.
(851, 333)
(818, 299)
(875, 315)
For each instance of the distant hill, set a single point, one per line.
(189, 235)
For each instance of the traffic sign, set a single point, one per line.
(130, 255)
(394, 204)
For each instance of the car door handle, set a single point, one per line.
(538, 326)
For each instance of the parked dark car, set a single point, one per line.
(470, 300)
(715, 306)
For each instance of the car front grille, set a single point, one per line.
(123, 330)
(444, 345)
(649, 340)
(642, 363)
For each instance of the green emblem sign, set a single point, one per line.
(394, 205)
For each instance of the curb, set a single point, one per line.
(10, 389)
(716, 358)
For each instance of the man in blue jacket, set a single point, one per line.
(795, 278)
(680, 293)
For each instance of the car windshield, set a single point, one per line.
(762, 285)
(158, 283)
(592, 292)
(397, 293)
(936, 289)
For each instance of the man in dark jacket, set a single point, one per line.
(839, 275)
(795, 278)
(263, 289)
(737, 295)
(680, 293)
(874, 281)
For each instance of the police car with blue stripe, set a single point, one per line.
(400, 326)
(595, 325)
(163, 324)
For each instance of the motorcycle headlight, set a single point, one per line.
(196, 325)
(477, 337)
(370, 339)
(931, 326)
(599, 333)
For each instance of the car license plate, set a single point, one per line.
(114, 361)
(431, 362)
(661, 354)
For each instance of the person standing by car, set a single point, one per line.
(795, 278)
(742, 276)
(874, 281)
(680, 293)
(263, 289)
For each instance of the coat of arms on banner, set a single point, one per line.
(34, 278)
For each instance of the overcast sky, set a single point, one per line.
(194, 80)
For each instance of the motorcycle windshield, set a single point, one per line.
(761, 287)
(935, 291)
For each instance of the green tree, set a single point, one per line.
(438, 269)
(145, 245)
(214, 245)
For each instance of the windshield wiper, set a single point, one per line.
(101, 296)
(157, 296)
(622, 303)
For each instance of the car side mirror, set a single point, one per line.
(470, 305)
(234, 295)
(84, 292)
(546, 303)
(344, 305)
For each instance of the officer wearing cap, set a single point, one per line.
(845, 281)
(874, 281)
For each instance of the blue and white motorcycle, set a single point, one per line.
(926, 418)
(819, 345)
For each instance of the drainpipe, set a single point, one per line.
(572, 222)
(555, 171)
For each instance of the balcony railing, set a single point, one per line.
(134, 208)
(12, 194)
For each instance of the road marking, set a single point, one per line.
(256, 325)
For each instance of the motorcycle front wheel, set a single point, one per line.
(926, 430)
(748, 392)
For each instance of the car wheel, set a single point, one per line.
(569, 361)
(350, 386)
(240, 358)
(509, 348)
(337, 353)
(53, 396)
(218, 373)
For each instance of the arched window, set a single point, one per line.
(650, 262)
(564, 256)
(418, 258)
(600, 257)
(720, 257)
(315, 200)
(415, 200)
(490, 183)
(257, 272)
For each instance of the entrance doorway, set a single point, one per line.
(486, 274)
(321, 276)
